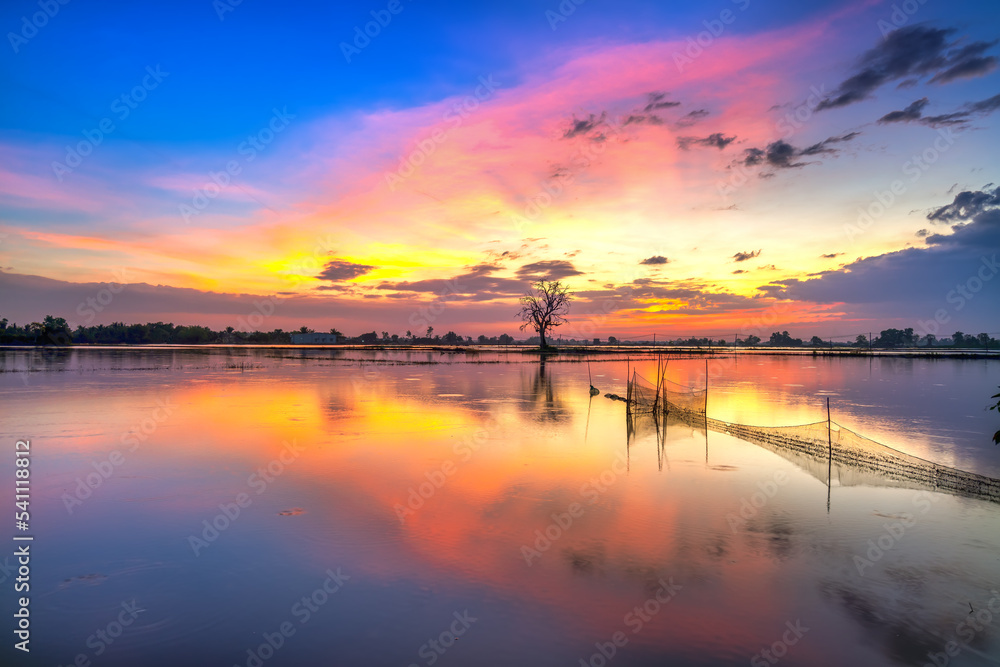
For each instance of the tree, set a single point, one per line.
(430, 330)
(336, 333)
(783, 339)
(861, 341)
(895, 338)
(56, 331)
(751, 340)
(958, 339)
(544, 307)
(816, 341)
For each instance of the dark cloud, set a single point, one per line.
(692, 117)
(909, 114)
(737, 271)
(778, 154)
(986, 106)
(824, 146)
(552, 269)
(338, 270)
(954, 275)
(966, 205)
(580, 126)
(947, 119)
(910, 52)
(961, 117)
(968, 62)
(782, 155)
(744, 256)
(654, 260)
(753, 157)
(477, 284)
(638, 119)
(659, 101)
(831, 255)
(921, 233)
(699, 298)
(715, 140)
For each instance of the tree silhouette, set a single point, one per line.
(543, 307)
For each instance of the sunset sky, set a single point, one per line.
(732, 167)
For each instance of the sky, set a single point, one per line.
(726, 168)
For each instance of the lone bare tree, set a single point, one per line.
(544, 306)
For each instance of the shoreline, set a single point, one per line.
(563, 351)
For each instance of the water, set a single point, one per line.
(388, 500)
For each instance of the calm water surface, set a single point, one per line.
(290, 507)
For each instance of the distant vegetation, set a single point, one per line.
(56, 331)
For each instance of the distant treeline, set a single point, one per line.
(56, 331)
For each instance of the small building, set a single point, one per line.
(313, 339)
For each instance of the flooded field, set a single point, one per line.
(350, 507)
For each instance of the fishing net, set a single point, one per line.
(826, 451)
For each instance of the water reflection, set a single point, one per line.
(427, 483)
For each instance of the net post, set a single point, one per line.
(829, 465)
(705, 406)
